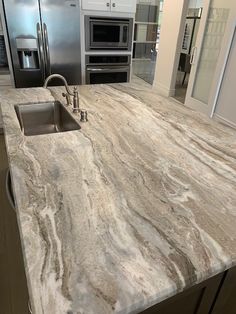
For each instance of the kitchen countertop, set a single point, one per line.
(135, 207)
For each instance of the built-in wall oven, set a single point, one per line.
(107, 69)
(108, 33)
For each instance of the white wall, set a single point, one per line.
(172, 30)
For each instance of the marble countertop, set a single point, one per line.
(135, 207)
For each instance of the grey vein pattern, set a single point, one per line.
(133, 208)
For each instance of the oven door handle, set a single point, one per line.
(109, 69)
(94, 70)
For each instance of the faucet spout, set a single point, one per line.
(69, 93)
(53, 76)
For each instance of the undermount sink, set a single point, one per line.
(45, 118)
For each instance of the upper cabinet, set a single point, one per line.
(98, 5)
(126, 6)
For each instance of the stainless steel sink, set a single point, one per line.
(45, 118)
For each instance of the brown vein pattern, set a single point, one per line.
(137, 206)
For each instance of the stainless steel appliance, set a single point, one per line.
(44, 38)
(107, 69)
(108, 33)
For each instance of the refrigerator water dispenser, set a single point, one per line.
(27, 50)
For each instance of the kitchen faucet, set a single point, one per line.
(68, 93)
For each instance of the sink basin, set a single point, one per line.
(45, 118)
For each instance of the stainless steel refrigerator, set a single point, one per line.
(44, 37)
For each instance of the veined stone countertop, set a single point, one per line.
(130, 210)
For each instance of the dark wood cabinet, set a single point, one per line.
(196, 300)
(226, 299)
(216, 295)
(13, 285)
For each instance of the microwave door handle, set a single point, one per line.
(125, 34)
(47, 51)
(41, 52)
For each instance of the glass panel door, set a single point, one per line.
(226, 108)
(146, 38)
(205, 55)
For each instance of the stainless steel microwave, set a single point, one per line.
(108, 33)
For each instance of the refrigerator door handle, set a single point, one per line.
(41, 52)
(47, 51)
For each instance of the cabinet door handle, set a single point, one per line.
(9, 190)
(108, 4)
(113, 4)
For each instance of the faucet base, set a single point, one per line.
(76, 110)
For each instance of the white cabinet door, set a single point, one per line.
(128, 6)
(98, 5)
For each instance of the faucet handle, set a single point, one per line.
(68, 99)
(76, 100)
(75, 89)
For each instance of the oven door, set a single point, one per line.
(109, 35)
(107, 74)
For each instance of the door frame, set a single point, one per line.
(230, 32)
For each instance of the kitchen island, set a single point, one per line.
(129, 211)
